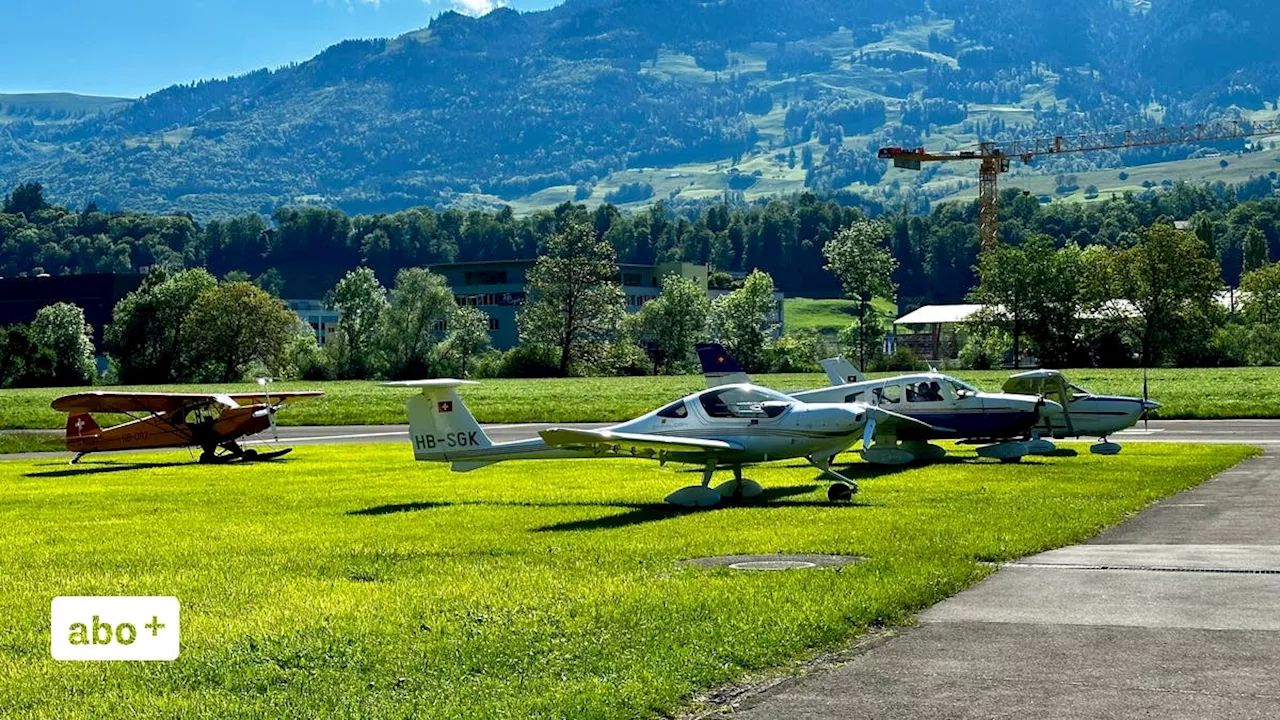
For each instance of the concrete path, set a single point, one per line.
(1174, 614)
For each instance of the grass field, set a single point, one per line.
(350, 582)
(827, 314)
(1185, 393)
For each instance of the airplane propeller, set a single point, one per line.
(1146, 400)
(270, 410)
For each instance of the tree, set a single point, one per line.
(26, 199)
(1032, 292)
(574, 301)
(145, 334)
(24, 362)
(360, 301)
(421, 305)
(62, 329)
(1260, 295)
(742, 320)
(468, 336)
(858, 256)
(671, 324)
(237, 324)
(1255, 249)
(1170, 282)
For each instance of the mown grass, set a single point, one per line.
(827, 314)
(1184, 393)
(25, 442)
(350, 582)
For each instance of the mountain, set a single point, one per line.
(676, 99)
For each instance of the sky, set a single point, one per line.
(133, 47)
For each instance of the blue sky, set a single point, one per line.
(133, 47)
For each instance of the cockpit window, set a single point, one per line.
(740, 402)
(890, 394)
(674, 410)
(925, 391)
(962, 388)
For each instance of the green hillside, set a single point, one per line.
(54, 107)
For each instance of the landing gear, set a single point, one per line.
(1005, 451)
(839, 492)
(697, 495)
(1105, 447)
(1038, 446)
(77, 458)
(232, 451)
(739, 488)
(923, 451)
(843, 489)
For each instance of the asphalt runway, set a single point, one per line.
(1262, 433)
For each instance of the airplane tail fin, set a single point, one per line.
(719, 367)
(81, 426)
(440, 425)
(841, 372)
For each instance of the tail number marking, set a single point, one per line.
(453, 440)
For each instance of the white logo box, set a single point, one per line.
(114, 628)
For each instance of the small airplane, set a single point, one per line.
(947, 408)
(724, 427)
(211, 422)
(1084, 414)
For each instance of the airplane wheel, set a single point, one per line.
(250, 454)
(839, 492)
(208, 457)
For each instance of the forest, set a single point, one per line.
(302, 252)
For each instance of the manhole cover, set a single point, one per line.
(773, 565)
(774, 562)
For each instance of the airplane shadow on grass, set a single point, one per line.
(103, 467)
(637, 513)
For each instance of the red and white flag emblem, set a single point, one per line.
(444, 406)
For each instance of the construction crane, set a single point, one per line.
(995, 157)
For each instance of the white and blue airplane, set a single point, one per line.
(723, 427)
(1084, 414)
(947, 408)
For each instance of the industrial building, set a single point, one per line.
(97, 294)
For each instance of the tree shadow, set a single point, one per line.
(102, 467)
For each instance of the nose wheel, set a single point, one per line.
(840, 492)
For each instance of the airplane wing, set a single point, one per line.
(132, 402)
(890, 422)
(633, 443)
(276, 398)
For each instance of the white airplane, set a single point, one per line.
(1084, 414)
(724, 427)
(947, 408)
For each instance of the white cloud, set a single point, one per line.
(477, 8)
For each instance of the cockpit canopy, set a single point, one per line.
(733, 401)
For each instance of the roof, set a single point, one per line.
(930, 314)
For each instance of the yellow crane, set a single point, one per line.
(996, 156)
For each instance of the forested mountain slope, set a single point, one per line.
(681, 99)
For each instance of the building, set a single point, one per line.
(22, 297)
(497, 288)
(322, 320)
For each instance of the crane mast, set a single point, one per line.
(995, 157)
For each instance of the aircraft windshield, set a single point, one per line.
(742, 402)
(961, 386)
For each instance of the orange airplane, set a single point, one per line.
(210, 422)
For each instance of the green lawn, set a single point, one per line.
(1185, 393)
(828, 314)
(350, 582)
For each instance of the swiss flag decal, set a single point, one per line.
(444, 406)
